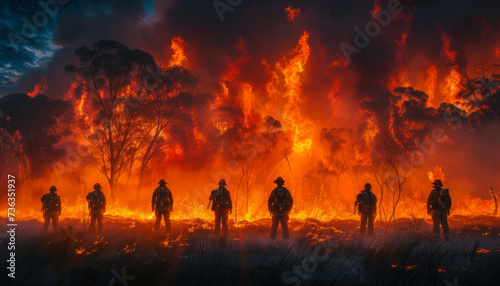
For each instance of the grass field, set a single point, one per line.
(318, 253)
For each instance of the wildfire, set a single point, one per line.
(292, 71)
(175, 153)
(178, 47)
(370, 132)
(430, 82)
(292, 14)
(436, 174)
(222, 126)
(71, 91)
(230, 75)
(248, 102)
(81, 102)
(336, 103)
(450, 87)
(271, 86)
(376, 7)
(39, 88)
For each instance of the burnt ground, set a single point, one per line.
(318, 253)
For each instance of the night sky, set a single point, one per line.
(263, 25)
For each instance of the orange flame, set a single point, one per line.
(248, 102)
(292, 13)
(229, 76)
(39, 88)
(179, 56)
(430, 82)
(436, 174)
(71, 91)
(81, 102)
(376, 7)
(292, 70)
(450, 87)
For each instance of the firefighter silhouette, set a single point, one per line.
(51, 207)
(366, 202)
(221, 206)
(438, 206)
(280, 203)
(162, 204)
(97, 207)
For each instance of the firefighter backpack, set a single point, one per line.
(162, 198)
(281, 199)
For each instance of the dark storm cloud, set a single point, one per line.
(52, 47)
(18, 57)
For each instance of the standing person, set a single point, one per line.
(280, 203)
(162, 204)
(97, 207)
(366, 202)
(221, 206)
(51, 207)
(439, 205)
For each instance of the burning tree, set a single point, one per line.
(403, 121)
(169, 97)
(118, 80)
(32, 127)
(252, 151)
(342, 153)
(479, 91)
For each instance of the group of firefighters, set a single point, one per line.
(280, 203)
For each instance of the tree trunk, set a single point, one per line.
(236, 200)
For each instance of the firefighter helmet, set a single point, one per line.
(53, 189)
(368, 186)
(437, 183)
(97, 186)
(222, 183)
(279, 181)
(162, 182)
